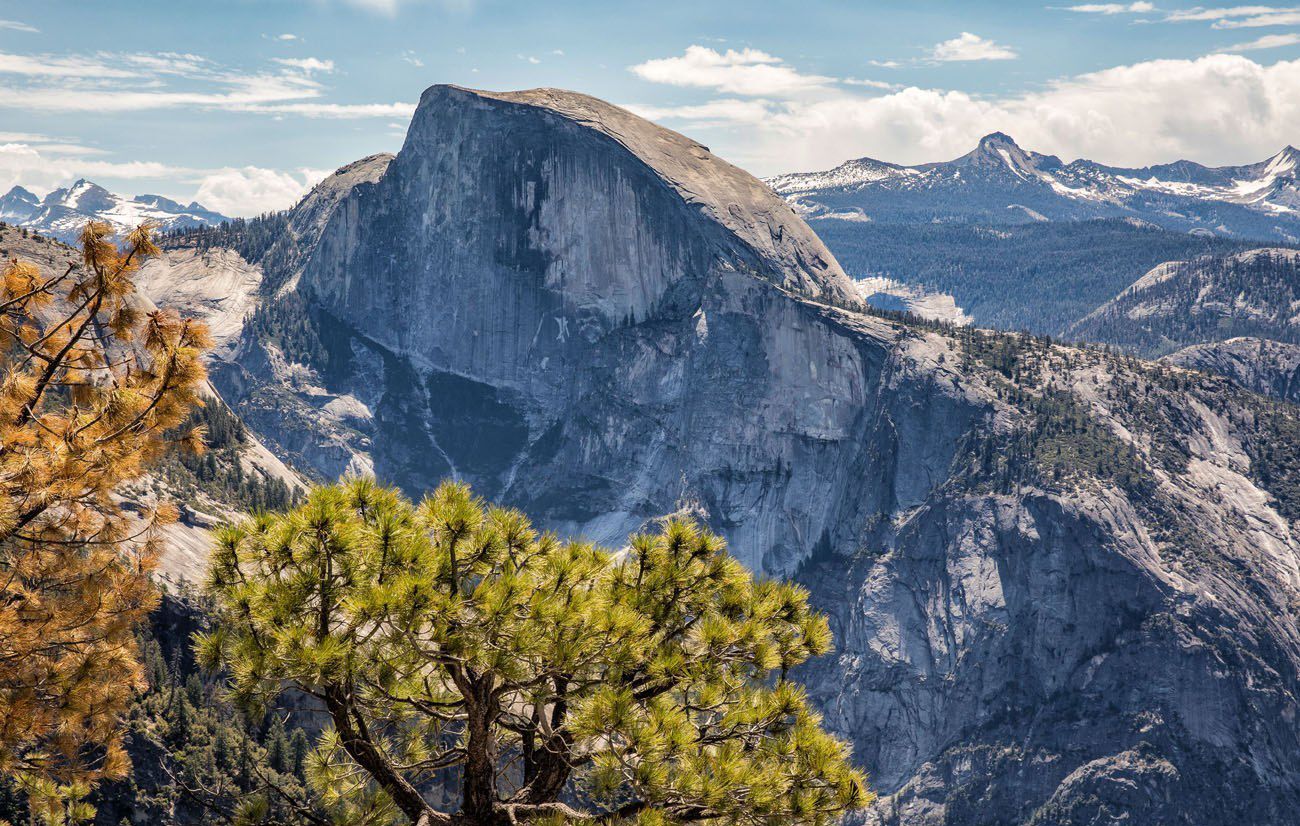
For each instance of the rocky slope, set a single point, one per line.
(63, 212)
(1254, 293)
(999, 182)
(1259, 365)
(1063, 584)
(188, 288)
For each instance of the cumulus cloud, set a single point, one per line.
(714, 114)
(1215, 109)
(968, 47)
(738, 72)
(251, 190)
(41, 163)
(1113, 8)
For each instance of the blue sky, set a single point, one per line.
(245, 102)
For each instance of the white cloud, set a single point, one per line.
(1204, 14)
(410, 57)
(1280, 18)
(251, 190)
(52, 66)
(286, 37)
(17, 26)
(1113, 8)
(306, 64)
(743, 72)
(872, 84)
(336, 111)
(714, 114)
(1240, 17)
(243, 93)
(42, 163)
(968, 47)
(168, 80)
(1215, 109)
(886, 64)
(1268, 41)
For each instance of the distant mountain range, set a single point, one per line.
(62, 213)
(999, 182)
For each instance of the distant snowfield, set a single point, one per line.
(934, 306)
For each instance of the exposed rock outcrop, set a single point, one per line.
(1255, 293)
(194, 285)
(1255, 364)
(217, 286)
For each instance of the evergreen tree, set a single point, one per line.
(453, 645)
(89, 388)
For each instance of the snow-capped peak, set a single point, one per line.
(856, 172)
(1283, 163)
(999, 175)
(998, 140)
(63, 212)
(998, 150)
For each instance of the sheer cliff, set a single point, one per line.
(1063, 583)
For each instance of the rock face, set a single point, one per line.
(1063, 585)
(1255, 364)
(217, 286)
(193, 284)
(558, 209)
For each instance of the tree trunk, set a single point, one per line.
(478, 782)
(362, 749)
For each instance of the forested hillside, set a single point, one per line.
(1211, 298)
(1038, 276)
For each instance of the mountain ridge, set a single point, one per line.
(1011, 184)
(64, 211)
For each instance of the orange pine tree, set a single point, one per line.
(91, 384)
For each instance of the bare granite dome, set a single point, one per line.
(726, 193)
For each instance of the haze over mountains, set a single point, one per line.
(63, 212)
(1063, 582)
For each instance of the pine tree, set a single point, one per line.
(451, 643)
(88, 386)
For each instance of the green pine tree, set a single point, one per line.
(451, 644)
